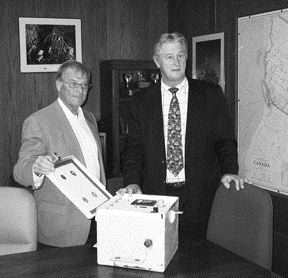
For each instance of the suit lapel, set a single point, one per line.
(91, 121)
(157, 117)
(92, 125)
(195, 116)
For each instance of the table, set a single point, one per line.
(201, 259)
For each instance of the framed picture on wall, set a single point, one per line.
(208, 58)
(45, 43)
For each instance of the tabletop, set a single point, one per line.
(195, 259)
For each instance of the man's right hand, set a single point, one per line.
(130, 189)
(43, 165)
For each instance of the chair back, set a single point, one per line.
(18, 221)
(242, 222)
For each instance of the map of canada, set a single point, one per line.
(263, 100)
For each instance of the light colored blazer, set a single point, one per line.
(46, 131)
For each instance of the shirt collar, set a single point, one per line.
(68, 113)
(179, 86)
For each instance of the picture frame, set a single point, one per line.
(208, 58)
(45, 43)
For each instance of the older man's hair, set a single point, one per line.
(170, 38)
(72, 64)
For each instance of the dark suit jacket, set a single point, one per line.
(210, 148)
(46, 131)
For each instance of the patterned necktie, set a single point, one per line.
(174, 138)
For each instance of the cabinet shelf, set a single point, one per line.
(119, 80)
(125, 99)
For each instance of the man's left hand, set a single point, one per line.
(229, 179)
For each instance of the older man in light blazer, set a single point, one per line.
(62, 127)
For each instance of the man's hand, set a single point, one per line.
(43, 165)
(130, 189)
(228, 179)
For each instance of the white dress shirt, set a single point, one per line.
(166, 96)
(85, 139)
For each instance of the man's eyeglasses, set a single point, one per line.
(75, 85)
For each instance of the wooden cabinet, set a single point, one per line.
(119, 81)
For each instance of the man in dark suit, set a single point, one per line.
(61, 127)
(181, 139)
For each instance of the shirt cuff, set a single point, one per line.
(37, 179)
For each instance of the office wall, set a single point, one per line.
(195, 18)
(122, 29)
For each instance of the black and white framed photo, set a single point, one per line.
(208, 58)
(45, 43)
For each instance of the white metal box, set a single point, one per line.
(138, 231)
